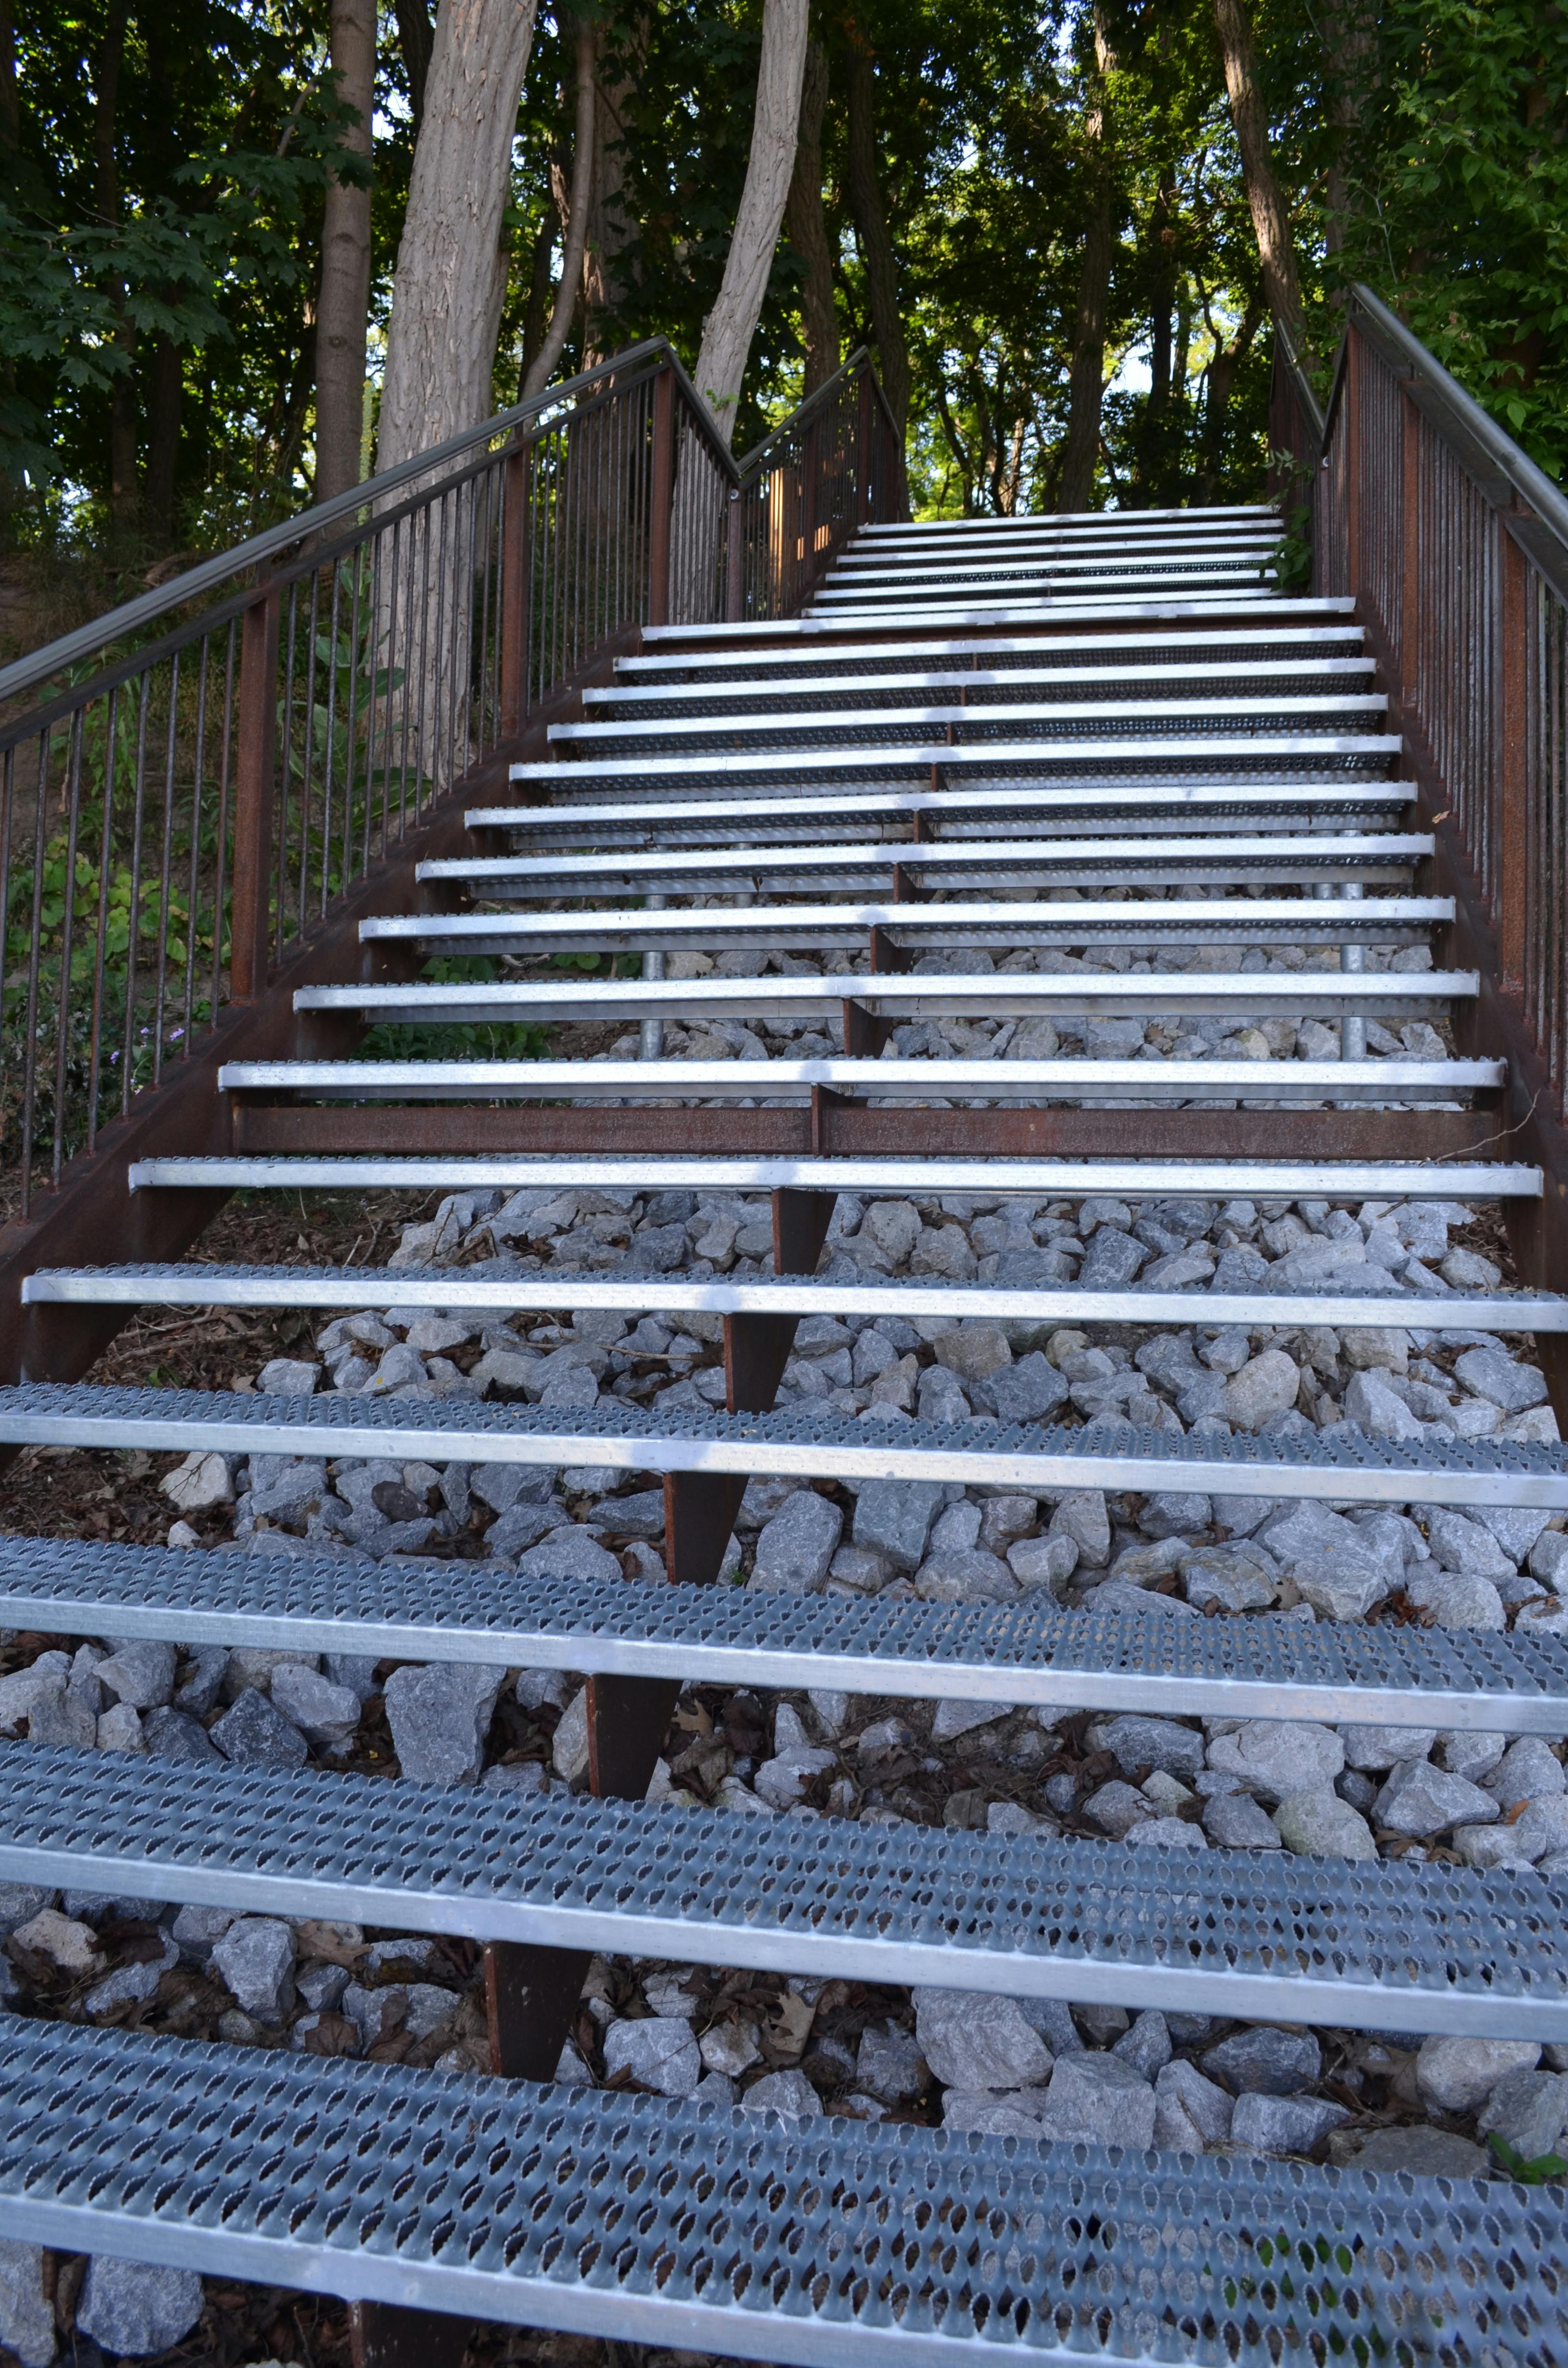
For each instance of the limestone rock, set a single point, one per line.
(133, 2309)
(658, 2053)
(1455, 2075)
(439, 1716)
(1101, 2100)
(973, 2039)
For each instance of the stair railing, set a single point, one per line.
(1454, 546)
(192, 784)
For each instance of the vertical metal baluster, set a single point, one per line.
(35, 949)
(221, 874)
(193, 886)
(372, 671)
(307, 772)
(351, 722)
(127, 1055)
(329, 743)
(7, 812)
(100, 954)
(165, 863)
(67, 936)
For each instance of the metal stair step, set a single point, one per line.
(1262, 643)
(648, 2221)
(1406, 1947)
(1113, 575)
(885, 1080)
(1003, 813)
(1006, 924)
(1020, 1655)
(1296, 676)
(1321, 756)
(502, 1285)
(1127, 540)
(1041, 719)
(1055, 1179)
(805, 1444)
(1064, 611)
(1299, 994)
(909, 531)
(1380, 857)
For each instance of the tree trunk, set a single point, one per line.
(1270, 217)
(451, 272)
(124, 492)
(876, 246)
(344, 297)
(538, 305)
(807, 227)
(1086, 382)
(730, 327)
(10, 113)
(415, 37)
(1349, 33)
(1154, 442)
(537, 375)
(162, 436)
(611, 230)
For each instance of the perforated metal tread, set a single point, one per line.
(1039, 1083)
(1259, 640)
(1026, 1652)
(1006, 926)
(1049, 719)
(1123, 1180)
(504, 1283)
(1295, 675)
(808, 627)
(831, 2243)
(1411, 995)
(950, 862)
(1394, 1947)
(1102, 1455)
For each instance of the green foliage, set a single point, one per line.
(1531, 2174)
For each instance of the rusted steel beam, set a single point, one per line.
(847, 1128)
(387, 2335)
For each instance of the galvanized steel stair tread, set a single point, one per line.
(803, 1441)
(999, 811)
(1031, 1652)
(1299, 675)
(821, 2244)
(701, 672)
(1393, 1947)
(1035, 616)
(504, 1283)
(1065, 719)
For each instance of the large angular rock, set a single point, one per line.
(1266, 1385)
(1456, 1600)
(1528, 2112)
(1528, 1770)
(1489, 1374)
(1235, 1821)
(1011, 2113)
(972, 2038)
(1376, 1408)
(174, 1734)
(658, 2053)
(1274, 1757)
(133, 2309)
(1100, 2100)
(894, 1518)
(1111, 1260)
(1267, 2124)
(889, 2064)
(1543, 1827)
(795, 1549)
(1376, 1747)
(27, 2317)
(200, 1484)
(570, 1551)
(1423, 2152)
(1190, 2112)
(789, 2094)
(254, 1734)
(1422, 1800)
(256, 1958)
(1025, 1392)
(1135, 1742)
(1081, 1515)
(325, 1713)
(439, 1716)
(1455, 2075)
(1318, 1823)
(1336, 1569)
(141, 1674)
(1274, 2063)
(1467, 1546)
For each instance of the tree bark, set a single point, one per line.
(124, 492)
(10, 112)
(416, 37)
(730, 327)
(451, 272)
(1086, 382)
(345, 298)
(162, 436)
(1153, 456)
(807, 226)
(1270, 216)
(1349, 30)
(876, 246)
(537, 375)
(611, 230)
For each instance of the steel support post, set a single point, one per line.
(256, 758)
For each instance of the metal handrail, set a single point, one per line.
(24, 673)
(1300, 384)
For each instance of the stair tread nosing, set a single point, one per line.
(1027, 1653)
(819, 2244)
(1102, 1454)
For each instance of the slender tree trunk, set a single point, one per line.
(449, 281)
(730, 327)
(164, 393)
(537, 376)
(807, 227)
(1349, 32)
(611, 230)
(345, 299)
(10, 114)
(1085, 382)
(538, 305)
(1270, 216)
(124, 492)
(415, 37)
(876, 246)
(1154, 442)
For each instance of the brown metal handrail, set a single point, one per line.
(1454, 546)
(192, 782)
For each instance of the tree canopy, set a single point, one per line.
(163, 174)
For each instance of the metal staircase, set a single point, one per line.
(1010, 770)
